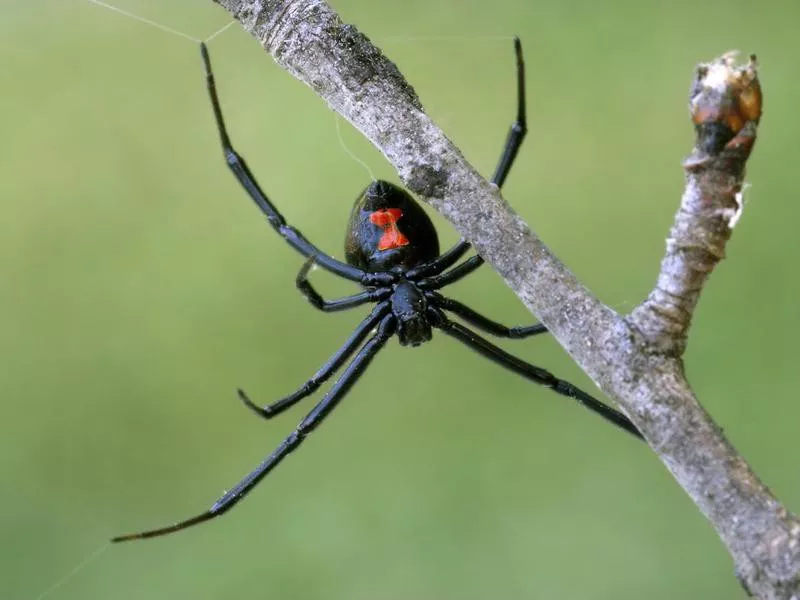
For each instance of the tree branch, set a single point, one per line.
(635, 359)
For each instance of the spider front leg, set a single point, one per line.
(323, 374)
(317, 301)
(306, 426)
(531, 372)
(245, 177)
(481, 322)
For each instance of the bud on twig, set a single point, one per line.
(725, 103)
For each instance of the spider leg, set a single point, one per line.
(317, 301)
(245, 177)
(306, 426)
(458, 272)
(481, 322)
(516, 134)
(441, 262)
(529, 371)
(323, 374)
(518, 128)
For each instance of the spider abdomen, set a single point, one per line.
(389, 230)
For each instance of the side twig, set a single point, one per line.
(635, 359)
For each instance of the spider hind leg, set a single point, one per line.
(484, 323)
(531, 372)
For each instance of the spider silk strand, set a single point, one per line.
(446, 38)
(349, 152)
(61, 582)
(160, 26)
(219, 31)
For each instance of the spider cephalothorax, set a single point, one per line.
(392, 251)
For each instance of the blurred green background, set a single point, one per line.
(140, 287)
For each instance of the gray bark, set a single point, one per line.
(635, 358)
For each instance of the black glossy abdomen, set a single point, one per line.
(414, 241)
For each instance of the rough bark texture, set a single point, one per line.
(636, 358)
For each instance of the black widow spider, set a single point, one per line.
(392, 250)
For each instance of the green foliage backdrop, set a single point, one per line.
(139, 287)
